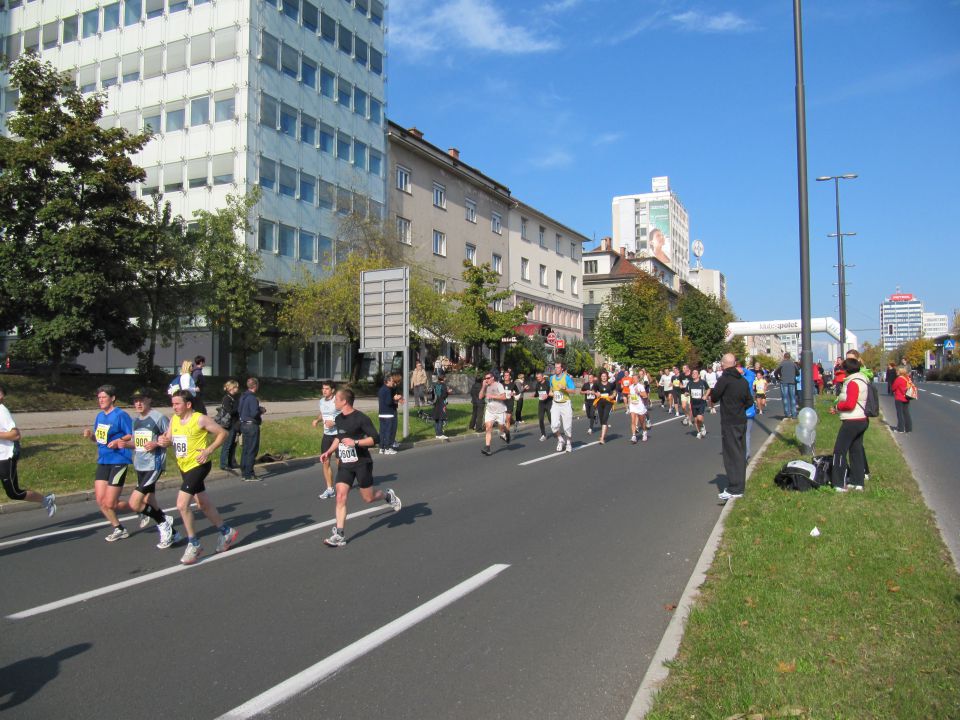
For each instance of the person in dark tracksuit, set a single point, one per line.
(541, 389)
(732, 392)
(476, 417)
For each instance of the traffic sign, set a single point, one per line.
(950, 344)
(552, 338)
(560, 344)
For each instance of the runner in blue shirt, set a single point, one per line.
(112, 430)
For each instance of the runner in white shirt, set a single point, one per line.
(495, 412)
(327, 418)
(711, 377)
(9, 454)
(636, 400)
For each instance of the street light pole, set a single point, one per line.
(841, 268)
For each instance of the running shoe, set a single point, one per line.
(644, 438)
(725, 495)
(569, 446)
(335, 539)
(166, 535)
(684, 422)
(857, 487)
(225, 542)
(119, 533)
(589, 430)
(328, 493)
(144, 520)
(393, 501)
(389, 451)
(633, 439)
(841, 488)
(191, 554)
(542, 438)
(486, 450)
(50, 504)
(506, 437)
(560, 446)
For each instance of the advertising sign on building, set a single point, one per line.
(901, 297)
(661, 184)
(658, 236)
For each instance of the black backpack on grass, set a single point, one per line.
(803, 475)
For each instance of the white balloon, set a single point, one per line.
(806, 435)
(808, 417)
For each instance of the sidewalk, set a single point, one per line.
(68, 421)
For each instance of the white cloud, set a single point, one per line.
(558, 6)
(607, 138)
(693, 21)
(421, 27)
(552, 159)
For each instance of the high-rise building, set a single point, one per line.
(901, 319)
(654, 225)
(935, 325)
(709, 282)
(287, 95)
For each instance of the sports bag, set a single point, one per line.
(801, 475)
(911, 391)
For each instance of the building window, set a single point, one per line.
(376, 61)
(325, 136)
(71, 28)
(403, 179)
(590, 267)
(590, 297)
(471, 210)
(111, 17)
(265, 235)
(268, 174)
(286, 240)
(345, 40)
(497, 264)
(439, 243)
(439, 196)
(222, 169)
(574, 287)
(359, 102)
(307, 241)
(91, 23)
(573, 249)
(525, 269)
(344, 93)
(376, 111)
(376, 163)
(559, 280)
(498, 305)
(268, 111)
(543, 275)
(199, 111)
(471, 254)
(224, 109)
(559, 244)
(308, 130)
(523, 228)
(308, 73)
(328, 28)
(359, 155)
(310, 16)
(404, 231)
(175, 119)
(327, 195)
(308, 188)
(440, 286)
(343, 147)
(328, 82)
(543, 236)
(496, 224)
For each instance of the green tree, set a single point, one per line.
(478, 323)
(637, 326)
(704, 325)
(578, 357)
(914, 352)
(527, 355)
(874, 356)
(230, 298)
(67, 219)
(767, 362)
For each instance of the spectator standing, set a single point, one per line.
(544, 401)
(198, 382)
(389, 399)
(440, 394)
(418, 381)
(183, 381)
(520, 387)
(732, 393)
(902, 400)
(476, 417)
(229, 408)
(890, 376)
(849, 459)
(251, 416)
(788, 372)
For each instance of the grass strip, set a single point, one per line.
(860, 622)
(67, 463)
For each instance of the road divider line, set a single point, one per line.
(78, 528)
(956, 401)
(315, 674)
(935, 394)
(149, 577)
(585, 445)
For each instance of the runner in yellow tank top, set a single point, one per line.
(189, 434)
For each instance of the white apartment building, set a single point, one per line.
(545, 270)
(709, 282)
(901, 319)
(654, 225)
(935, 325)
(287, 94)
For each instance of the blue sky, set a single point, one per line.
(570, 102)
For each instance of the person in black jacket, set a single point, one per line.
(476, 418)
(229, 409)
(541, 390)
(732, 393)
(440, 394)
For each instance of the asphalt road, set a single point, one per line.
(933, 453)
(575, 562)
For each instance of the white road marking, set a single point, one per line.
(239, 550)
(78, 528)
(304, 680)
(935, 394)
(956, 401)
(585, 445)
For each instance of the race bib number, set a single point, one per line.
(101, 433)
(634, 398)
(559, 397)
(347, 453)
(180, 445)
(140, 439)
(696, 393)
(508, 393)
(591, 396)
(542, 394)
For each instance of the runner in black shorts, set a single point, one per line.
(355, 436)
(112, 431)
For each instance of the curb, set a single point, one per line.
(666, 651)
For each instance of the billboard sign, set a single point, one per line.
(658, 235)
(384, 310)
(901, 297)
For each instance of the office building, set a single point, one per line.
(901, 319)
(935, 325)
(709, 282)
(655, 225)
(287, 95)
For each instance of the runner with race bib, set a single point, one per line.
(561, 413)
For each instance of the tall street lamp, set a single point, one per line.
(841, 268)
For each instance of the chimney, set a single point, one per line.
(417, 133)
(623, 251)
(454, 153)
(606, 244)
